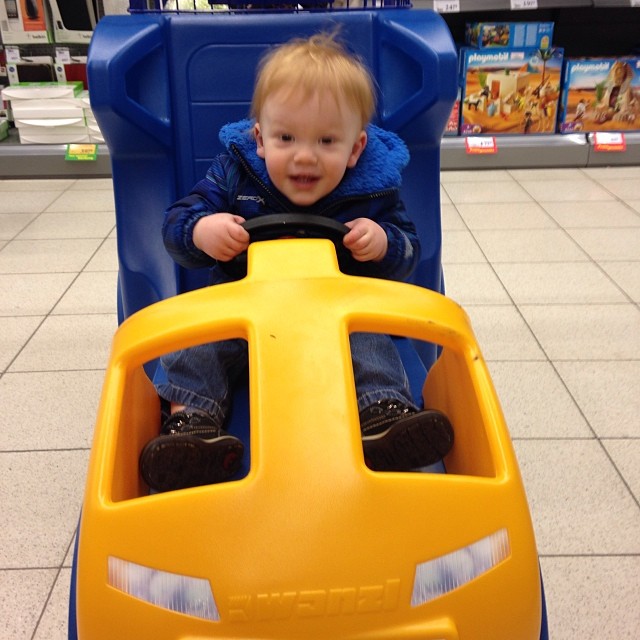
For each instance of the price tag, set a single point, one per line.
(12, 54)
(523, 4)
(481, 145)
(605, 141)
(81, 152)
(63, 55)
(447, 6)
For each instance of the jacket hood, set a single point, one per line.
(378, 169)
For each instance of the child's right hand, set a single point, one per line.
(221, 236)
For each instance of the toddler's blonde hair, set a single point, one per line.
(316, 64)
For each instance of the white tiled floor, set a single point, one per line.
(547, 264)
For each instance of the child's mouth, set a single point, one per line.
(304, 180)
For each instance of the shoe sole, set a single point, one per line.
(175, 462)
(410, 443)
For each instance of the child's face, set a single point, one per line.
(308, 143)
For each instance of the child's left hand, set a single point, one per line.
(367, 240)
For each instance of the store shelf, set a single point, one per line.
(505, 5)
(48, 161)
(516, 152)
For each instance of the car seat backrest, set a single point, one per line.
(162, 85)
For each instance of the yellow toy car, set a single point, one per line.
(309, 542)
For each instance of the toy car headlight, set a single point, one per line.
(183, 594)
(446, 573)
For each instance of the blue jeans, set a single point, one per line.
(203, 376)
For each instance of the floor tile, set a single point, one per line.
(57, 185)
(29, 294)
(586, 332)
(502, 334)
(489, 191)
(460, 247)
(557, 283)
(578, 502)
(505, 215)
(47, 256)
(609, 244)
(85, 224)
(54, 624)
(43, 525)
(502, 175)
(14, 332)
(24, 595)
(68, 343)
(63, 405)
(562, 191)
(592, 214)
(592, 598)
(626, 454)
(83, 200)
(91, 292)
(528, 245)
(106, 258)
(607, 392)
(11, 224)
(626, 275)
(451, 219)
(27, 201)
(566, 174)
(623, 188)
(535, 401)
(474, 284)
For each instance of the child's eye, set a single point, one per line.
(326, 140)
(286, 137)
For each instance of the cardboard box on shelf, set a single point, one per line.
(47, 108)
(23, 22)
(600, 94)
(510, 91)
(73, 20)
(42, 90)
(535, 35)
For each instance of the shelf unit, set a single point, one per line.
(554, 150)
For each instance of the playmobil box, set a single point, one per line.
(600, 94)
(535, 35)
(452, 128)
(510, 91)
(23, 22)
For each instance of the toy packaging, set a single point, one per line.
(23, 22)
(510, 91)
(453, 123)
(536, 35)
(601, 94)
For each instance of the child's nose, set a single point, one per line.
(305, 154)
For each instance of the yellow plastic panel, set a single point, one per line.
(311, 543)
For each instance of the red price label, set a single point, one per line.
(605, 141)
(481, 145)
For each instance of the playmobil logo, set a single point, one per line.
(591, 66)
(489, 57)
(314, 603)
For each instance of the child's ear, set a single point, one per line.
(358, 148)
(259, 141)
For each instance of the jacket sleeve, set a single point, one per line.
(209, 196)
(403, 251)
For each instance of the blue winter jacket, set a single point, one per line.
(237, 182)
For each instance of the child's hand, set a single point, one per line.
(366, 241)
(221, 236)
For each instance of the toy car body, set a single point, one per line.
(310, 543)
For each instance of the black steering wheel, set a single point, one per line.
(290, 225)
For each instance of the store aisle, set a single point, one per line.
(546, 263)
